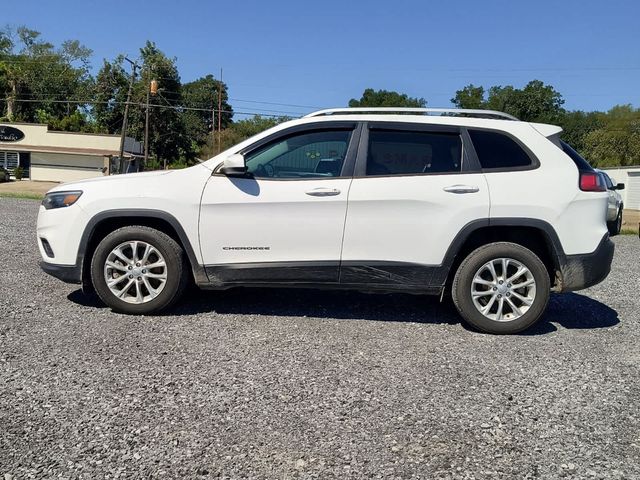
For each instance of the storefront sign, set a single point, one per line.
(10, 134)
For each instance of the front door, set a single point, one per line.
(284, 221)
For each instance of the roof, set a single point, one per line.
(38, 138)
(70, 150)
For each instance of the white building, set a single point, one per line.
(630, 176)
(60, 156)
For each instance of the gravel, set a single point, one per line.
(301, 384)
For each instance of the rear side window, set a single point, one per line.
(496, 150)
(580, 162)
(394, 152)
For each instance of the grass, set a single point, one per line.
(628, 231)
(29, 196)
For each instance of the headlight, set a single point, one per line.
(60, 199)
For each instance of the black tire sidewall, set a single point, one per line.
(461, 290)
(166, 246)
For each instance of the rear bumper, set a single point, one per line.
(583, 271)
(66, 273)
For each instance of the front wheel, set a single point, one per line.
(139, 270)
(501, 288)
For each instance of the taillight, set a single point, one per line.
(592, 182)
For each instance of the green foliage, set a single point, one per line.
(536, 102)
(18, 173)
(76, 122)
(110, 93)
(175, 135)
(239, 131)
(203, 94)
(577, 125)
(469, 97)
(33, 69)
(386, 98)
(617, 142)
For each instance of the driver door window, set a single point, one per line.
(317, 154)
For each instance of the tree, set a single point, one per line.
(536, 102)
(37, 77)
(617, 143)
(168, 139)
(110, 94)
(577, 125)
(469, 97)
(386, 98)
(239, 131)
(203, 94)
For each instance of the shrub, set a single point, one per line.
(18, 172)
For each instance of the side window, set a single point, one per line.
(496, 150)
(394, 152)
(316, 154)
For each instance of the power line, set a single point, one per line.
(174, 107)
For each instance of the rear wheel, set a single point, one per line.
(139, 270)
(501, 288)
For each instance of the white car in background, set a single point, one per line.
(495, 211)
(615, 205)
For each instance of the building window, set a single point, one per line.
(9, 160)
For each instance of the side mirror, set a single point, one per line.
(234, 166)
(619, 186)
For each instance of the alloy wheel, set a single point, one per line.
(503, 289)
(135, 272)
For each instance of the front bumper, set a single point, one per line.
(585, 270)
(66, 273)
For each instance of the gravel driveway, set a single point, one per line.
(300, 384)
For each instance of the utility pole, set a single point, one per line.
(152, 90)
(213, 122)
(146, 130)
(220, 112)
(134, 66)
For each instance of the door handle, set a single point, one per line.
(323, 192)
(461, 189)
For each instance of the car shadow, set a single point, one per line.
(570, 310)
(574, 311)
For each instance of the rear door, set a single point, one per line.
(414, 189)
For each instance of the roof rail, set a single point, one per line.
(453, 111)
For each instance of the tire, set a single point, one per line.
(474, 274)
(150, 290)
(615, 226)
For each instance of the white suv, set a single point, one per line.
(496, 211)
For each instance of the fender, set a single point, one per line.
(199, 273)
(559, 256)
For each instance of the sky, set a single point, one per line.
(292, 57)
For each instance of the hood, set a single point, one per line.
(128, 177)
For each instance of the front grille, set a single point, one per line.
(47, 248)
